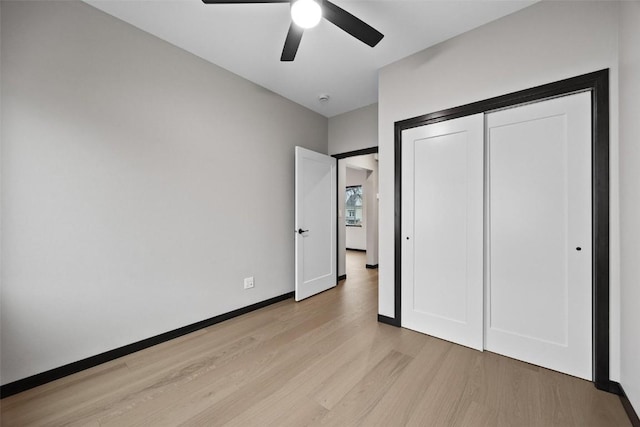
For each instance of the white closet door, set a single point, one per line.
(442, 226)
(538, 276)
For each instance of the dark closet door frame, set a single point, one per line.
(338, 157)
(598, 84)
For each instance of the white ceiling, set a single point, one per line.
(247, 40)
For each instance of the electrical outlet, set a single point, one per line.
(248, 282)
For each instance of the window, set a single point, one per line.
(353, 206)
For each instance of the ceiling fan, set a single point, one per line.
(307, 13)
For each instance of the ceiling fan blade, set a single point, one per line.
(291, 43)
(352, 25)
(243, 1)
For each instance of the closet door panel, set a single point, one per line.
(442, 222)
(538, 271)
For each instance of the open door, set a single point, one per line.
(315, 223)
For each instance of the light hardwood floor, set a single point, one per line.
(322, 361)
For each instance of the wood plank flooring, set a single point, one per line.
(322, 361)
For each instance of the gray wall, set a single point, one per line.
(630, 198)
(140, 185)
(354, 130)
(546, 42)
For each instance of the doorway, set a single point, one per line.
(357, 222)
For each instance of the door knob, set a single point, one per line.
(300, 231)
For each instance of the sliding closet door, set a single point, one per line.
(442, 221)
(538, 275)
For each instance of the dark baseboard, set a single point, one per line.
(609, 386)
(388, 320)
(373, 267)
(340, 278)
(356, 250)
(628, 408)
(72, 368)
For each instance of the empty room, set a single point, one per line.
(315, 212)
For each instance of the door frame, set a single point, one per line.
(598, 84)
(338, 157)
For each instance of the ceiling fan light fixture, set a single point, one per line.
(306, 13)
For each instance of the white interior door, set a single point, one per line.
(538, 283)
(315, 223)
(442, 230)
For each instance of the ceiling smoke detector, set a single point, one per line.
(323, 98)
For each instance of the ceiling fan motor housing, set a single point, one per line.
(306, 13)
(315, 1)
